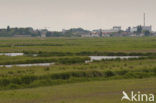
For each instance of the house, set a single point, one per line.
(105, 33)
(117, 28)
(95, 33)
(134, 29)
(113, 30)
(43, 33)
(86, 35)
(144, 28)
(147, 28)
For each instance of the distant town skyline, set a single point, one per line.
(65, 14)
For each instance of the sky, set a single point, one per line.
(88, 14)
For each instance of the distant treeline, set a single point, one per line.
(73, 32)
(30, 32)
(76, 32)
(8, 32)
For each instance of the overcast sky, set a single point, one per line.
(65, 14)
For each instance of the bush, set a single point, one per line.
(109, 73)
(4, 82)
(13, 86)
(145, 70)
(73, 60)
(27, 79)
(136, 75)
(122, 72)
(154, 70)
(97, 74)
(10, 72)
(78, 74)
(16, 81)
(129, 75)
(60, 76)
(46, 69)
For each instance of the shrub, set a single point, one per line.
(145, 70)
(129, 75)
(122, 72)
(109, 73)
(27, 79)
(13, 86)
(154, 70)
(73, 60)
(10, 72)
(136, 75)
(78, 74)
(60, 76)
(46, 69)
(4, 82)
(97, 74)
(16, 81)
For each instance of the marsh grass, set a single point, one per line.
(69, 55)
(25, 81)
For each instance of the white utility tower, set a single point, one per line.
(144, 19)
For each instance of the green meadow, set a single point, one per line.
(77, 45)
(87, 92)
(70, 79)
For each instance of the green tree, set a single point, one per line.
(139, 29)
(147, 33)
(8, 28)
(100, 33)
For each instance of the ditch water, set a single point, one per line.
(98, 58)
(92, 58)
(15, 54)
(27, 65)
(12, 54)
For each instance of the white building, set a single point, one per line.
(105, 33)
(64, 31)
(113, 30)
(134, 29)
(117, 28)
(147, 28)
(86, 35)
(95, 33)
(144, 28)
(43, 33)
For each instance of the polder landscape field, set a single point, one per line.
(68, 75)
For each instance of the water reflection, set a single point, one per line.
(27, 65)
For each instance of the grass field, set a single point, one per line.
(87, 92)
(23, 77)
(70, 79)
(76, 45)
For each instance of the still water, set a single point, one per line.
(27, 65)
(98, 58)
(12, 54)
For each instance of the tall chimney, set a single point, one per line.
(144, 19)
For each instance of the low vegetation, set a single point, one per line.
(69, 56)
(69, 72)
(83, 46)
(6, 60)
(86, 92)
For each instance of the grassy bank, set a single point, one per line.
(87, 92)
(30, 81)
(28, 77)
(6, 60)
